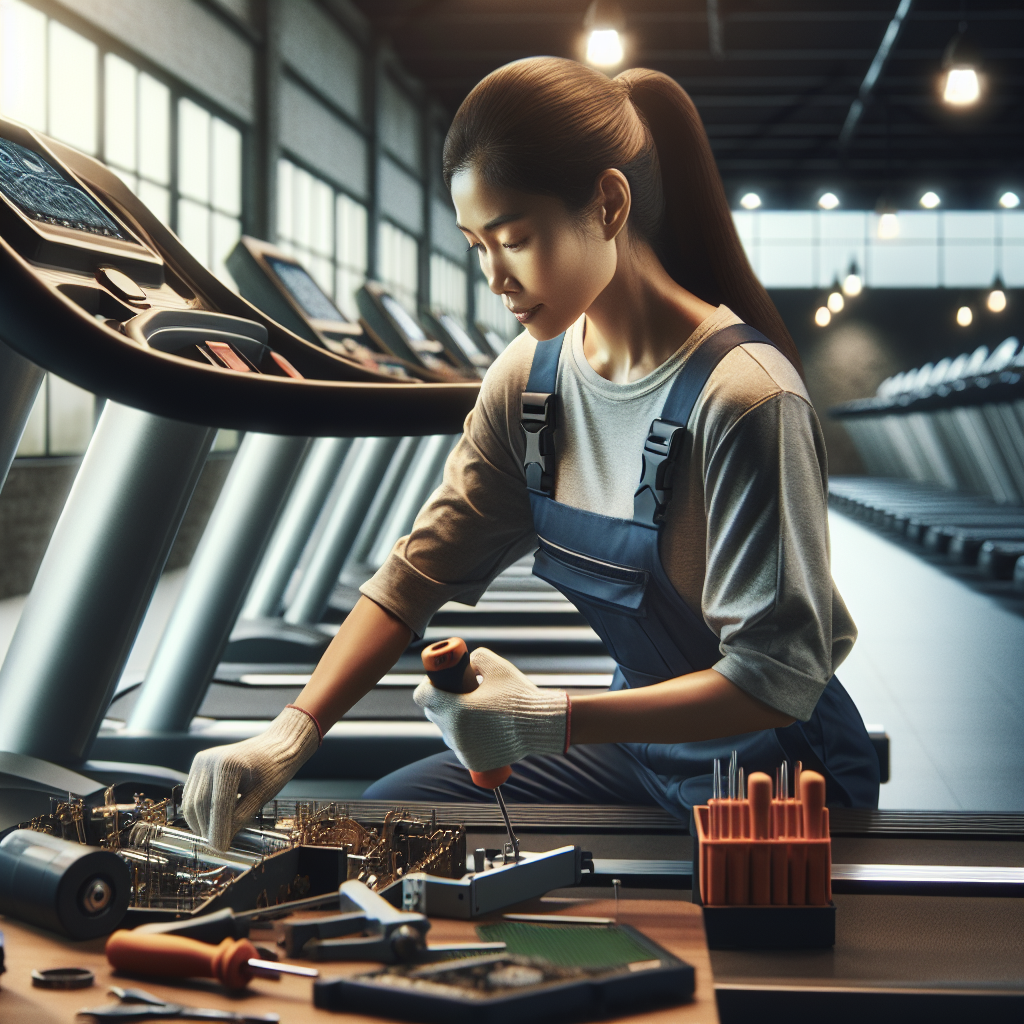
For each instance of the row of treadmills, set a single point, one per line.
(944, 445)
(347, 429)
(95, 289)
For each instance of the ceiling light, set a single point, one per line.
(604, 48)
(888, 226)
(964, 316)
(751, 201)
(996, 300)
(822, 317)
(829, 201)
(962, 87)
(836, 302)
(605, 22)
(1009, 200)
(960, 64)
(929, 200)
(852, 284)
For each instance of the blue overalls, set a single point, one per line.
(611, 570)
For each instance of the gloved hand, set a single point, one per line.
(500, 722)
(229, 784)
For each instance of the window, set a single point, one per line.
(325, 230)
(137, 137)
(57, 81)
(448, 287)
(397, 264)
(210, 186)
(924, 249)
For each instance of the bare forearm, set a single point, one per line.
(699, 706)
(365, 648)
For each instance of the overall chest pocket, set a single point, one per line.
(578, 576)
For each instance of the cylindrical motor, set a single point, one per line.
(81, 891)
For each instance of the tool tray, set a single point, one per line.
(581, 973)
(731, 924)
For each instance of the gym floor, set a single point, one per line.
(937, 663)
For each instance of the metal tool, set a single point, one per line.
(733, 767)
(138, 1004)
(233, 962)
(448, 668)
(230, 924)
(371, 930)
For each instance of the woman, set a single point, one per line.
(651, 353)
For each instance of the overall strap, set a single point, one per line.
(538, 418)
(664, 439)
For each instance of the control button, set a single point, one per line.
(120, 284)
(284, 365)
(228, 356)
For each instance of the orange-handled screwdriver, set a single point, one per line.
(233, 963)
(448, 668)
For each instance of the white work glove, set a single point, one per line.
(500, 722)
(229, 784)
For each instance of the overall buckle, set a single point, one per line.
(538, 423)
(650, 501)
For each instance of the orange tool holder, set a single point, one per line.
(448, 668)
(766, 852)
(763, 868)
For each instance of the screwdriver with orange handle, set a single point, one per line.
(448, 668)
(233, 963)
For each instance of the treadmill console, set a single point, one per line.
(458, 342)
(52, 219)
(283, 288)
(387, 319)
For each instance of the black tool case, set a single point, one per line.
(393, 993)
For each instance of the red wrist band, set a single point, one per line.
(568, 723)
(312, 718)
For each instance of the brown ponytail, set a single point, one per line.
(549, 126)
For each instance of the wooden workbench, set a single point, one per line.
(676, 925)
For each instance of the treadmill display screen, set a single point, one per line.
(43, 194)
(462, 338)
(305, 291)
(397, 312)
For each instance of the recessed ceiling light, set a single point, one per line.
(929, 200)
(751, 201)
(964, 316)
(1009, 200)
(888, 226)
(829, 201)
(852, 284)
(604, 48)
(822, 317)
(604, 21)
(962, 88)
(996, 300)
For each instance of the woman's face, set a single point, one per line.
(547, 264)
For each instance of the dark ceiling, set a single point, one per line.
(775, 95)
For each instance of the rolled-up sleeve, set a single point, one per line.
(478, 521)
(768, 590)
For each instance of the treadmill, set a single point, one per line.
(94, 288)
(349, 502)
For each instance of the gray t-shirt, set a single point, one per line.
(745, 541)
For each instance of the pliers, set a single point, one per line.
(138, 1004)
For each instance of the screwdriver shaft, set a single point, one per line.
(279, 968)
(508, 823)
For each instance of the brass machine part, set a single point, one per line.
(173, 869)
